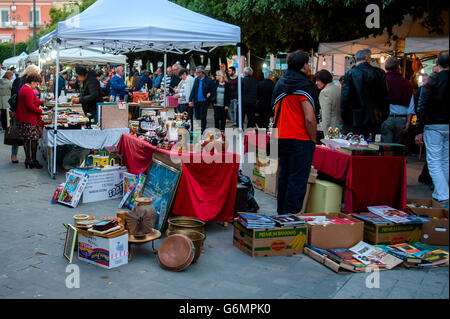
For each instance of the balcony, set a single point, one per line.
(24, 25)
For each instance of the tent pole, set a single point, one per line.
(55, 129)
(164, 78)
(241, 126)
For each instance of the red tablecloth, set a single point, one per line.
(370, 180)
(207, 188)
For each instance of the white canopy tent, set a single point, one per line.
(425, 44)
(409, 29)
(15, 60)
(171, 30)
(79, 56)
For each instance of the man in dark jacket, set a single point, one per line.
(433, 127)
(401, 104)
(264, 106)
(201, 95)
(61, 84)
(145, 80)
(90, 92)
(249, 97)
(364, 96)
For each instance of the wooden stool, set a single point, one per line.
(156, 234)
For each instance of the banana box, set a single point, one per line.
(285, 241)
(391, 234)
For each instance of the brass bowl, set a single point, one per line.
(186, 223)
(196, 237)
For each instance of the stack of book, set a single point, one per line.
(288, 220)
(389, 149)
(396, 216)
(371, 218)
(359, 257)
(256, 221)
(418, 254)
(323, 220)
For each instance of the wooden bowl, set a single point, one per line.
(176, 252)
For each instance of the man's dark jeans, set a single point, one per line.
(295, 165)
(201, 111)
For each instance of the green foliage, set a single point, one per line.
(7, 50)
(271, 26)
(58, 15)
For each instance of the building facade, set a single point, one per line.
(16, 18)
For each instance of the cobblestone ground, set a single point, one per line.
(32, 266)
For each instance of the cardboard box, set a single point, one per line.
(335, 235)
(271, 183)
(104, 252)
(391, 234)
(338, 268)
(271, 242)
(258, 180)
(435, 232)
(104, 186)
(325, 197)
(435, 210)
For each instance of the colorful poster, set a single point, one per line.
(137, 191)
(74, 187)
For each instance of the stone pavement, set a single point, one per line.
(32, 266)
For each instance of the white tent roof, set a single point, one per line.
(378, 44)
(83, 56)
(15, 60)
(426, 44)
(121, 26)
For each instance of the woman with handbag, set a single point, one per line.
(17, 85)
(28, 114)
(5, 94)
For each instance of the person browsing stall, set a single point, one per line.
(202, 93)
(28, 115)
(297, 107)
(118, 86)
(222, 100)
(90, 92)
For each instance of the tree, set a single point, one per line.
(273, 26)
(7, 50)
(58, 15)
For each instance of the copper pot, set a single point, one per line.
(176, 252)
(196, 237)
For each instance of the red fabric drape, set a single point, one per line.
(207, 188)
(370, 180)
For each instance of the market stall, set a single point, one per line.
(94, 29)
(369, 180)
(207, 188)
(78, 56)
(16, 61)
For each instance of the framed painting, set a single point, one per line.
(161, 185)
(69, 244)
